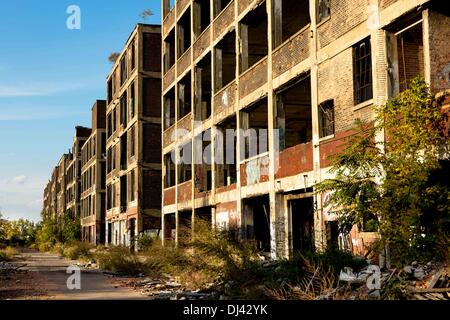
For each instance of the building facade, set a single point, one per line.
(93, 178)
(133, 170)
(257, 94)
(73, 171)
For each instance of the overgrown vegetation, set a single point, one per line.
(21, 232)
(397, 185)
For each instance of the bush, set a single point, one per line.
(78, 250)
(8, 254)
(119, 260)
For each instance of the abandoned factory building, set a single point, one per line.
(296, 72)
(229, 113)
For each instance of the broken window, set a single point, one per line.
(302, 224)
(203, 89)
(289, 17)
(123, 194)
(219, 5)
(132, 142)
(225, 61)
(132, 185)
(123, 151)
(203, 168)
(123, 110)
(169, 176)
(257, 221)
(169, 51)
(410, 55)
(185, 163)
(114, 119)
(326, 119)
(184, 96)
(109, 125)
(133, 55)
(184, 33)
(123, 70)
(226, 160)
(253, 37)
(168, 6)
(169, 227)
(202, 16)
(323, 10)
(294, 116)
(362, 71)
(110, 91)
(169, 109)
(132, 100)
(254, 125)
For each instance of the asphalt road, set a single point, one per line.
(94, 285)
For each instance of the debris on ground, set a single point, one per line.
(166, 288)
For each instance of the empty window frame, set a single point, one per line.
(254, 125)
(203, 89)
(169, 176)
(132, 100)
(132, 143)
(226, 150)
(132, 186)
(326, 118)
(202, 16)
(253, 37)
(362, 71)
(294, 113)
(169, 51)
(123, 70)
(133, 55)
(289, 17)
(185, 163)
(322, 10)
(184, 96)
(169, 109)
(184, 33)
(225, 61)
(123, 110)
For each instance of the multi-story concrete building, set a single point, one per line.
(61, 187)
(93, 178)
(73, 171)
(292, 75)
(133, 179)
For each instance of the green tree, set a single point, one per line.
(71, 230)
(396, 185)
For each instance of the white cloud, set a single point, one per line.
(36, 89)
(19, 179)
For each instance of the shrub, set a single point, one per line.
(119, 260)
(78, 250)
(8, 254)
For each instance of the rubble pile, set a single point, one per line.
(167, 288)
(414, 281)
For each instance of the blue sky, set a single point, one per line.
(50, 77)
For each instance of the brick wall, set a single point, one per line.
(336, 82)
(223, 20)
(184, 62)
(169, 196)
(202, 43)
(345, 15)
(292, 53)
(184, 191)
(253, 79)
(439, 53)
(152, 52)
(295, 160)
